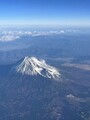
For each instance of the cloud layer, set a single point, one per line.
(14, 34)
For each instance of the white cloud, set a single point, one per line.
(6, 35)
(8, 38)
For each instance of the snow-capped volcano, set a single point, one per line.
(34, 66)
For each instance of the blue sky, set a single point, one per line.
(45, 12)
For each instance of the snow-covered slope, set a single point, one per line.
(34, 66)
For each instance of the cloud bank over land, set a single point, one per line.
(10, 34)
